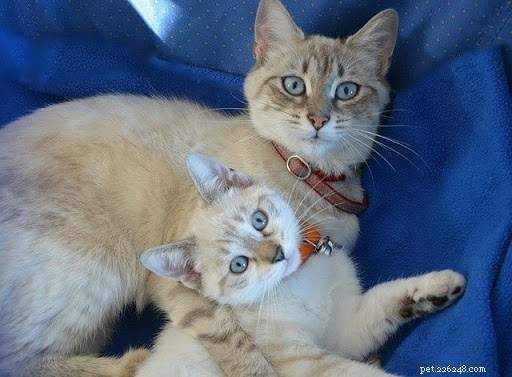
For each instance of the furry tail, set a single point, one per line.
(83, 366)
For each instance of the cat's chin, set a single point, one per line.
(320, 151)
(308, 146)
(314, 149)
(320, 147)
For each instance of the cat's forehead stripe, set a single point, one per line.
(224, 250)
(322, 60)
(305, 65)
(266, 202)
(341, 70)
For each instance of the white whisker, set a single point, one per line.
(396, 142)
(386, 147)
(373, 149)
(350, 148)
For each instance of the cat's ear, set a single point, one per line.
(213, 179)
(377, 38)
(173, 261)
(274, 27)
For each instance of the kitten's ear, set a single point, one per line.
(213, 179)
(174, 261)
(274, 27)
(378, 38)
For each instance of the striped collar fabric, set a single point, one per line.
(320, 182)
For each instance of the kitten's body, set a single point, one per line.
(87, 185)
(316, 322)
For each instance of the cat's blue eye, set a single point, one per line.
(294, 85)
(259, 220)
(346, 90)
(239, 264)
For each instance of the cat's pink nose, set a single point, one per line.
(318, 121)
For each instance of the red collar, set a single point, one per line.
(318, 181)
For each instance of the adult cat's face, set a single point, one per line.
(248, 243)
(317, 96)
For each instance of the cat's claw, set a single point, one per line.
(435, 291)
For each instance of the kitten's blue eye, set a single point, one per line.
(346, 90)
(294, 85)
(239, 264)
(259, 220)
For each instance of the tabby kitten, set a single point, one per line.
(293, 322)
(85, 186)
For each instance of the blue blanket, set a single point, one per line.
(448, 204)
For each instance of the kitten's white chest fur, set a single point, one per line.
(305, 301)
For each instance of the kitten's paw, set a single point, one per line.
(434, 291)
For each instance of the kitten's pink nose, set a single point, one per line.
(318, 121)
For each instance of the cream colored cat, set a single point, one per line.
(85, 186)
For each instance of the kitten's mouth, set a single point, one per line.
(292, 264)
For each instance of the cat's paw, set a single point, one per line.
(434, 291)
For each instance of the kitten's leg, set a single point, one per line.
(306, 359)
(383, 308)
(88, 366)
(177, 354)
(216, 327)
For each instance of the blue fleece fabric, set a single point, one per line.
(449, 206)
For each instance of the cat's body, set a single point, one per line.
(87, 185)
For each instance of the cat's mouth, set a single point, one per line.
(292, 263)
(315, 138)
(318, 141)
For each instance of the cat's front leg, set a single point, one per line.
(215, 326)
(383, 308)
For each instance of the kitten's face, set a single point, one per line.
(317, 96)
(247, 244)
